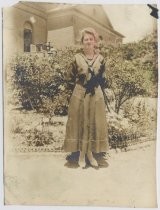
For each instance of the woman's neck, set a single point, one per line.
(89, 53)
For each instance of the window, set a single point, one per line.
(27, 36)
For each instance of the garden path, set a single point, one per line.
(44, 178)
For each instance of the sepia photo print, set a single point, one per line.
(80, 86)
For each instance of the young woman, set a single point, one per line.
(86, 129)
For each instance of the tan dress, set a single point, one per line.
(86, 127)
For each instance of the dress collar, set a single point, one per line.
(90, 62)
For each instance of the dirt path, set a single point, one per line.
(43, 178)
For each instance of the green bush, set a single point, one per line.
(132, 69)
(40, 83)
(142, 114)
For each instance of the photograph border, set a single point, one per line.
(15, 207)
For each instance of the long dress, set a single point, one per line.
(86, 128)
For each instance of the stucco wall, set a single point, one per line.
(61, 38)
(96, 13)
(59, 20)
(13, 26)
(81, 21)
(77, 17)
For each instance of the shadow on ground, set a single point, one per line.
(72, 160)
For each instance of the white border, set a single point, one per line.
(158, 117)
(11, 2)
(1, 123)
(6, 3)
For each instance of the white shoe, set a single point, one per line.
(82, 162)
(92, 160)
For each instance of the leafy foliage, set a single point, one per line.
(132, 69)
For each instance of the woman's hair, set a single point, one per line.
(89, 31)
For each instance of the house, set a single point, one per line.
(29, 24)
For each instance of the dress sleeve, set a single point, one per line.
(71, 74)
(103, 70)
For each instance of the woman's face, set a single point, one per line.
(88, 41)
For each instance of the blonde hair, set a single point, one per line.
(91, 31)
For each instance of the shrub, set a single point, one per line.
(40, 83)
(132, 69)
(142, 114)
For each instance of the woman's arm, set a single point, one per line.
(71, 74)
(103, 77)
